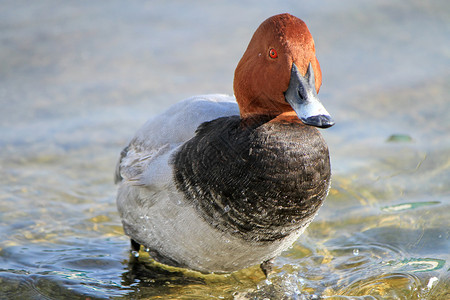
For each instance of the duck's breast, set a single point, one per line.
(260, 181)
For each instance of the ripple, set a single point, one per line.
(374, 263)
(420, 264)
(389, 286)
(408, 206)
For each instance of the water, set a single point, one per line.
(77, 79)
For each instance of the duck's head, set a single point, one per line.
(279, 73)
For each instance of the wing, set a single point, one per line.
(144, 161)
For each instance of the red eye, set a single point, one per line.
(273, 53)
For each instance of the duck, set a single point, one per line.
(220, 183)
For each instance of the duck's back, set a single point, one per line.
(163, 133)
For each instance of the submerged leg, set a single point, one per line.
(267, 267)
(135, 246)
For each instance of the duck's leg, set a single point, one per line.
(135, 247)
(267, 267)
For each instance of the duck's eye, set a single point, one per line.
(273, 53)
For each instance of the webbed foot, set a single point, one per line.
(267, 267)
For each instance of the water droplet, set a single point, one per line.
(226, 208)
(356, 252)
(135, 253)
(147, 249)
(431, 282)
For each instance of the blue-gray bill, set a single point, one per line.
(302, 96)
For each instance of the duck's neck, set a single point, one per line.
(289, 117)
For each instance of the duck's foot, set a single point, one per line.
(135, 247)
(267, 267)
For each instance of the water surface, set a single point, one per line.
(78, 79)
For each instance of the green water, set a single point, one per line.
(77, 80)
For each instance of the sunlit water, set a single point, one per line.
(77, 80)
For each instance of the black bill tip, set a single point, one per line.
(321, 121)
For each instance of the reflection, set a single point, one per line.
(150, 273)
(147, 278)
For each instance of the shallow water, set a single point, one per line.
(77, 80)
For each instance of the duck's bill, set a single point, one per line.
(302, 96)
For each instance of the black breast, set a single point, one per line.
(260, 181)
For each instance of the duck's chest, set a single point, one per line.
(260, 182)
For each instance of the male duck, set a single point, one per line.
(216, 186)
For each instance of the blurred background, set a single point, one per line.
(78, 79)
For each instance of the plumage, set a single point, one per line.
(217, 185)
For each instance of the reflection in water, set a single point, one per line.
(149, 279)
